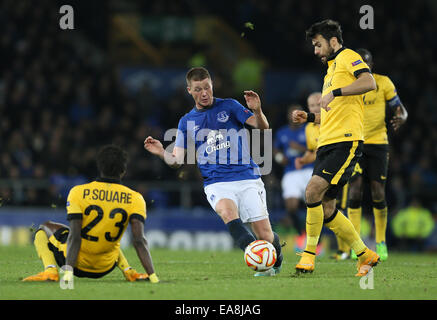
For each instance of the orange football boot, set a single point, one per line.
(50, 274)
(306, 263)
(370, 260)
(132, 275)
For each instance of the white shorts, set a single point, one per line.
(248, 195)
(295, 182)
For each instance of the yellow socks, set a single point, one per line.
(314, 224)
(354, 215)
(343, 228)
(342, 245)
(380, 215)
(44, 253)
(122, 261)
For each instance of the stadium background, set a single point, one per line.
(119, 77)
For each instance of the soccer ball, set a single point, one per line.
(260, 255)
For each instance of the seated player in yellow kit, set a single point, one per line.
(99, 213)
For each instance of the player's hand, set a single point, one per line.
(153, 278)
(252, 100)
(298, 163)
(153, 146)
(299, 116)
(325, 100)
(397, 120)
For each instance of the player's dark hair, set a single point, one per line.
(112, 161)
(197, 74)
(366, 55)
(327, 29)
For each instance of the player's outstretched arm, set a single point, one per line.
(173, 160)
(140, 244)
(258, 120)
(74, 241)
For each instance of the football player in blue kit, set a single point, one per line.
(213, 132)
(290, 143)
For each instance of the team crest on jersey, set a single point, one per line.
(222, 116)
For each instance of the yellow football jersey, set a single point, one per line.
(312, 131)
(105, 207)
(344, 122)
(375, 129)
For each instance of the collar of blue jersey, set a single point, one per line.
(108, 180)
(335, 54)
(205, 109)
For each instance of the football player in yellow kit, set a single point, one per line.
(99, 213)
(340, 142)
(372, 166)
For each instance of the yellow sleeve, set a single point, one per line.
(389, 89)
(74, 209)
(139, 209)
(310, 138)
(354, 63)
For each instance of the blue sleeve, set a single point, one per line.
(181, 136)
(240, 112)
(277, 143)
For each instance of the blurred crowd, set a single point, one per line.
(60, 102)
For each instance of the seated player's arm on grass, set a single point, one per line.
(140, 243)
(364, 83)
(74, 241)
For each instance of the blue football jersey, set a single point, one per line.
(219, 138)
(283, 137)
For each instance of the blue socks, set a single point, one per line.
(278, 248)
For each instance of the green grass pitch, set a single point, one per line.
(197, 275)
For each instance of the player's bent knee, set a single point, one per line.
(227, 210)
(312, 195)
(328, 208)
(228, 215)
(378, 192)
(354, 193)
(316, 189)
(45, 226)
